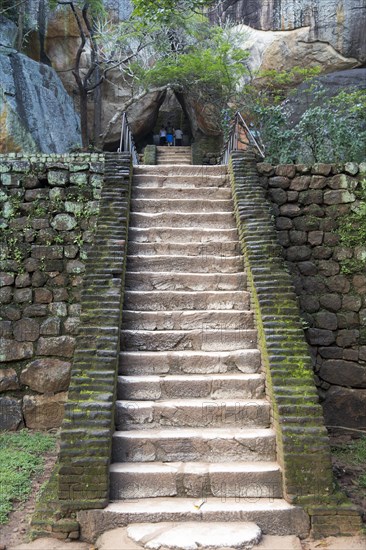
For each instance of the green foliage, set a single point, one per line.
(354, 452)
(352, 232)
(95, 7)
(331, 129)
(164, 10)
(21, 457)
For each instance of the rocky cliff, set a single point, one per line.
(339, 23)
(36, 113)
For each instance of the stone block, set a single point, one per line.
(64, 222)
(265, 168)
(26, 330)
(51, 327)
(22, 295)
(58, 178)
(11, 350)
(290, 210)
(8, 380)
(321, 169)
(6, 279)
(47, 252)
(22, 280)
(47, 375)
(42, 412)
(298, 253)
(300, 183)
(315, 238)
(320, 337)
(345, 407)
(326, 320)
(339, 197)
(287, 170)
(343, 373)
(43, 296)
(346, 338)
(62, 346)
(11, 417)
(279, 181)
(6, 294)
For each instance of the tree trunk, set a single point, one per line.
(84, 118)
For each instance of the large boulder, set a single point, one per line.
(332, 83)
(36, 113)
(282, 50)
(339, 23)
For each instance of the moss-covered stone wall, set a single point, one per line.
(320, 218)
(48, 211)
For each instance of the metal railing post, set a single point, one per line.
(126, 142)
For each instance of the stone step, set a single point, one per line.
(180, 181)
(189, 535)
(181, 205)
(181, 234)
(229, 444)
(273, 516)
(189, 362)
(187, 320)
(199, 339)
(165, 280)
(195, 413)
(197, 169)
(215, 220)
(224, 249)
(210, 386)
(183, 264)
(240, 480)
(166, 193)
(160, 300)
(172, 161)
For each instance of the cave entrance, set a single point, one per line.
(170, 113)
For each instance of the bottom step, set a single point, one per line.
(273, 516)
(191, 536)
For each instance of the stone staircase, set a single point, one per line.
(173, 155)
(193, 438)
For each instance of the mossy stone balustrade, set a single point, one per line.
(302, 440)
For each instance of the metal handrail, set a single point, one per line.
(126, 143)
(233, 139)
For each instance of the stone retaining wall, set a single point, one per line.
(311, 205)
(48, 211)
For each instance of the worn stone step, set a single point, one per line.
(188, 320)
(165, 280)
(163, 193)
(273, 516)
(182, 264)
(222, 249)
(181, 234)
(197, 169)
(199, 339)
(204, 535)
(180, 180)
(210, 386)
(215, 220)
(160, 300)
(181, 205)
(181, 161)
(229, 444)
(199, 412)
(238, 480)
(189, 362)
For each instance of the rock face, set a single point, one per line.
(35, 109)
(333, 83)
(339, 23)
(282, 50)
